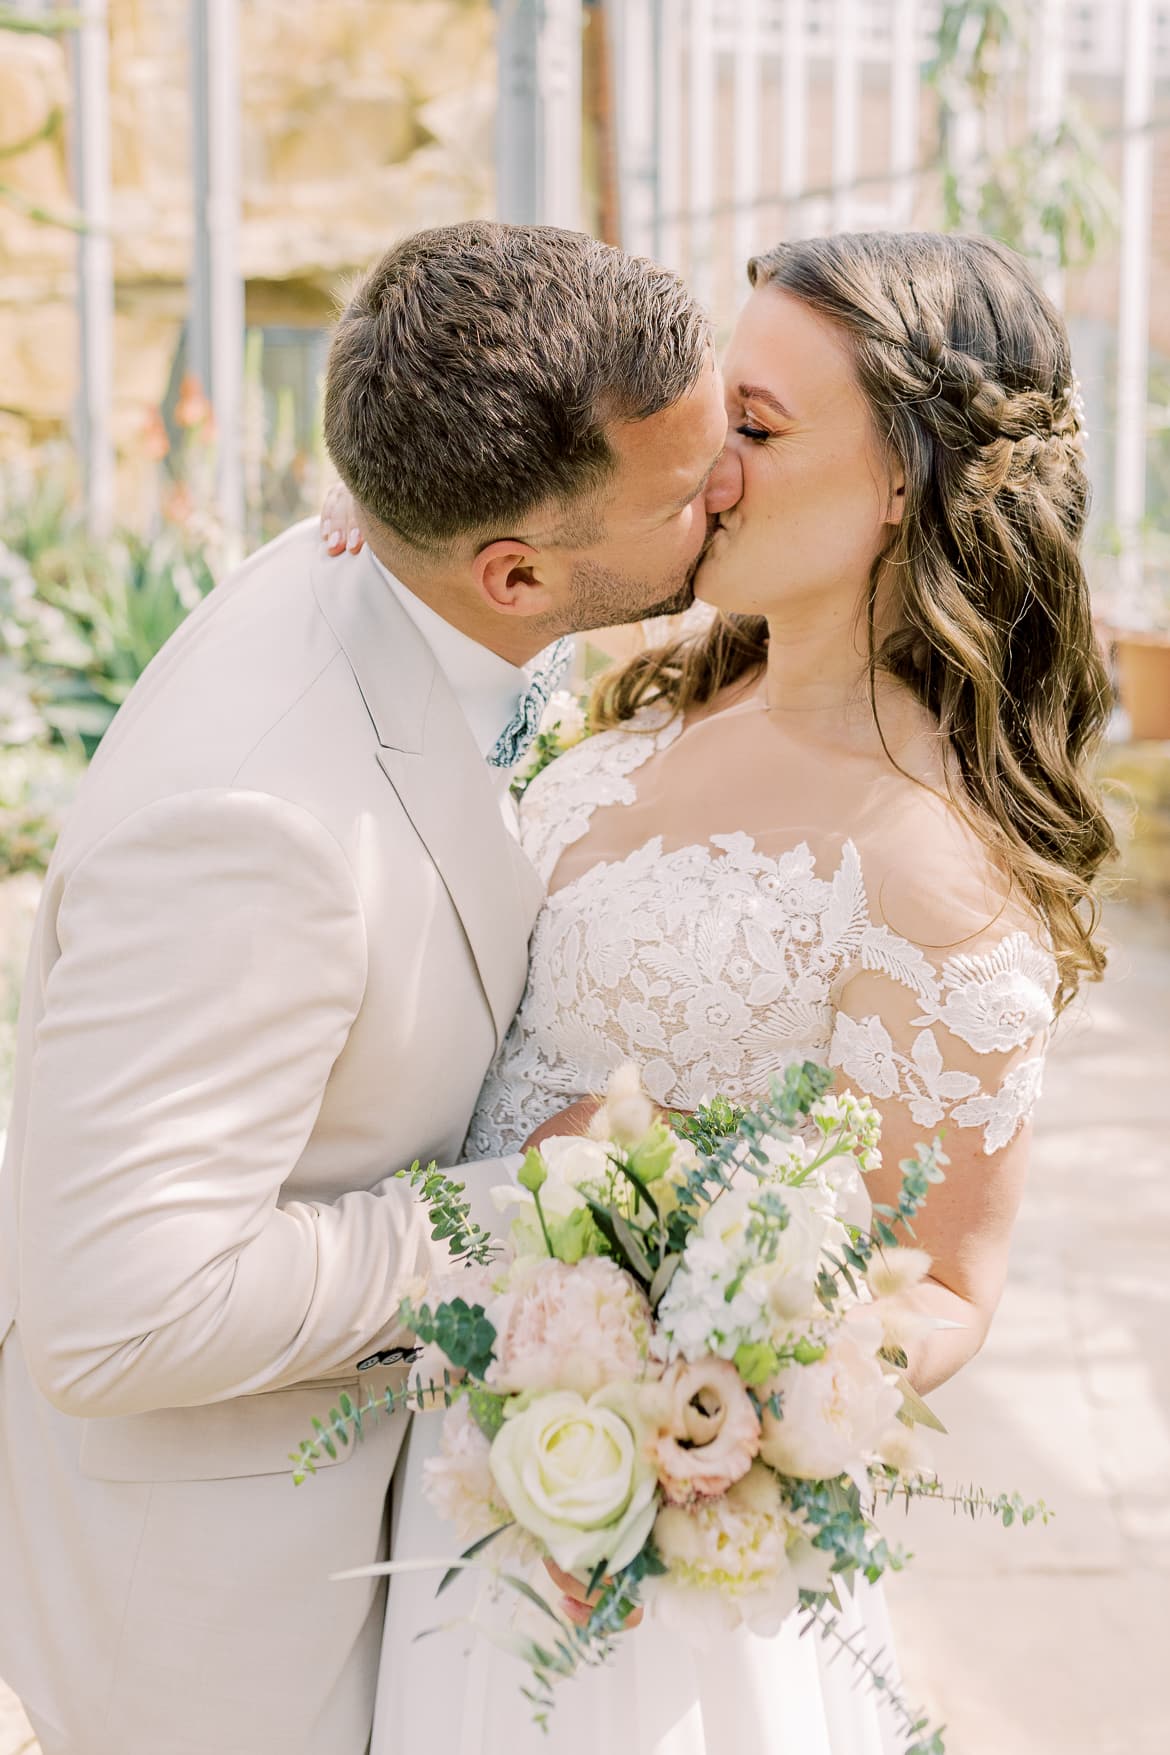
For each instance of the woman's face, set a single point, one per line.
(819, 495)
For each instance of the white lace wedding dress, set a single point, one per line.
(707, 920)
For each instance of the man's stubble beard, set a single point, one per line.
(599, 597)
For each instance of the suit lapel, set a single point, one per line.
(430, 758)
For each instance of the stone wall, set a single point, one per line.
(362, 120)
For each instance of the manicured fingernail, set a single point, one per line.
(355, 537)
(334, 536)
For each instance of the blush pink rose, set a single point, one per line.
(708, 1431)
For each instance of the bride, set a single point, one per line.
(850, 819)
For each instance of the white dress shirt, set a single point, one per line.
(486, 686)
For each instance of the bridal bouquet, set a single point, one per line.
(679, 1375)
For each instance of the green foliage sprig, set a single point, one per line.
(913, 1722)
(779, 1114)
(833, 1510)
(975, 1502)
(451, 1220)
(919, 1173)
(348, 1420)
(460, 1330)
(710, 1123)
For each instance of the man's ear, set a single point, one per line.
(507, 574)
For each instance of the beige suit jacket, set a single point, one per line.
(283, 932)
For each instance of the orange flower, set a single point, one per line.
(155, 443)
(192, 408)
(178, 504)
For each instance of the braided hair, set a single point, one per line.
(965, 365)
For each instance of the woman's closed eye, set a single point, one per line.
(759, 435)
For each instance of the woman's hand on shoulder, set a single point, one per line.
(339, 522)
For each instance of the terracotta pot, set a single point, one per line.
(1143, 675)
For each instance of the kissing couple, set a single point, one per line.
(296, 935)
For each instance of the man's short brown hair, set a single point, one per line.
(475, 369)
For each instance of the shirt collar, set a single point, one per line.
(486, 686)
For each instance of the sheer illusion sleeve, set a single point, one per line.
(719, 907)
(955, 1040)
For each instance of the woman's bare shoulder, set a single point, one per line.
(933, 877)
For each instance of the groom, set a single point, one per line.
(281, 937)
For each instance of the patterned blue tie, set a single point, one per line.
(546, 673)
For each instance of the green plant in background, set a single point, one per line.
(36, 784)
(1045, 194)
(93, 633)
(79, 622)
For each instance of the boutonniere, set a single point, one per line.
(563, 724)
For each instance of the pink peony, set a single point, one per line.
(834, 1412)
(743, 1558)
(459, 1482)
(708, 1429)
(570, 1328)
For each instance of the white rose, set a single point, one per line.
(574, 1472)
(569, 1160)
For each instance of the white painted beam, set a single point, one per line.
(1046, 106)
(216, 325)
(538, 113)
(633, 49)
(746, 147)
(846, 110)
(1133, 352)
(905, 89)
(794, 116)
(702, 87)
(668, 38)
(95, 262)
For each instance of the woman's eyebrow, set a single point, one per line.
(757, 393)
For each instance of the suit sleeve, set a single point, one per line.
(212, 961)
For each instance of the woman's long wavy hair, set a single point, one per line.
(966, 368)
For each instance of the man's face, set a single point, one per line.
(673, 477)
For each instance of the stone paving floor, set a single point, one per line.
(1054, 1641)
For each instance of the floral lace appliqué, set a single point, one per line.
(715, 966)
(558, 805)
